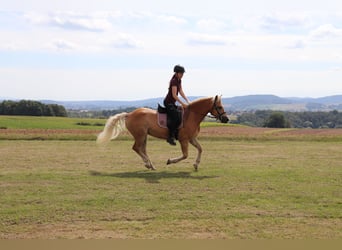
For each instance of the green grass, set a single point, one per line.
(59, 128)
(243, 190)
(34, 122)
(219, 124)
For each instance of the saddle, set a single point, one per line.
(162, 116)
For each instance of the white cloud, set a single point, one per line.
(172, 19)
(207, 39)
(210, 24)
(296, 44)
(11, 46)
(138, 14)
(326, 31)
(81, 23)
(280, 21)
(36, 18)
(62, 45)
(151, 17)
(125, 41)
(337, 69)
(70, 20)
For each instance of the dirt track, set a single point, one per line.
(256, 132)
(216, 132)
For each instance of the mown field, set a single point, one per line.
(252, 184)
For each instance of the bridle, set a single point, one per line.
(216, 108)
(219, 117)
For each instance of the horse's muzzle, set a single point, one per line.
(224, 119)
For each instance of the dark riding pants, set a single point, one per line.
(173, 119)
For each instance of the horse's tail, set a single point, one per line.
(114, 126)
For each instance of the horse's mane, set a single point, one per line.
(199, 101)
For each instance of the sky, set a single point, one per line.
(126, 50)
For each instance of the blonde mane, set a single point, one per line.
(200, 101)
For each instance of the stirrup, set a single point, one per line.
(171, 141)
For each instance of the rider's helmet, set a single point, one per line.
(178, 69)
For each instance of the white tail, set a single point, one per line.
(114, 126)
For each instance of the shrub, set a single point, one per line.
(276, 120)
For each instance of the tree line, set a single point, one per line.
(277, 119)
(98, 113)
(260, 118)
(31, 108)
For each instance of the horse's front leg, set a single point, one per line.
(195, 143)
(184, 146)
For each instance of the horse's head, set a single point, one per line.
(218, 110)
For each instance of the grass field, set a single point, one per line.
(44, 122)
(252, 184)
(58, 128)
(41, 122)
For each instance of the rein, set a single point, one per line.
(219, 117)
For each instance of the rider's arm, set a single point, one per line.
(174, 94)
(181, 92)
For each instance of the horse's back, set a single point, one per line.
(144, 120)
(141, 112)
(141, 117)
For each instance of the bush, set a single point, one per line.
(83, 124)
(276, 120)
(31, 108)
(332, 119)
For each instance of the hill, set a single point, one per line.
(254, 102)
(106, 105)
(237, 103)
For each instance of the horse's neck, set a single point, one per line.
(199, 109)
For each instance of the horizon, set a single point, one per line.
(111, 50)
(143, 99)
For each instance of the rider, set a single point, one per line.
(175, 87)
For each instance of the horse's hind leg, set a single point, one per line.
(185, 146)
(140, 148)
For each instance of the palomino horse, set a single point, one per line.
(143, 121)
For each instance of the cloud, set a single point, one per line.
(81, 24)
(69, 20)
(206, 39)
(282, 21)
(326, 31)
(337, 69)
(210, 24)
(11, 46)
(101, 21)
(62, 45)
(172, 19)
(36, 18)
(125, 41)
(296, 44)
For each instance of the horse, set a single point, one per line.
(143, 121)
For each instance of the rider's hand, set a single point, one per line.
(184, 105)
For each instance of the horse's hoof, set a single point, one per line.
(168, 162)
(196, 167)
(148, 166)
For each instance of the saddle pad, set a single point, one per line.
(162, 120)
